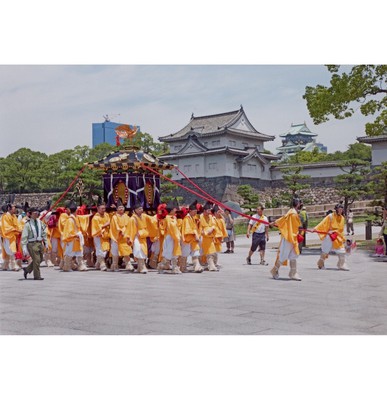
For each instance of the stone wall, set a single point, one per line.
(34, 199)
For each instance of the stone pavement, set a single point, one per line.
(238, 300)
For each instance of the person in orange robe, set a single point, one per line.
(220, 232)
(207, 230)
(118, 239)
(10, 231)
(73, 238)
(100, 232)
(171, 245)
(333, 224)
(289, 226)
(190, 239)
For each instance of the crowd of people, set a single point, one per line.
(78, 238)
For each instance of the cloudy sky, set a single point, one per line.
(52, 107)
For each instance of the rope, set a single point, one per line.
(65, 192)
(210, 198)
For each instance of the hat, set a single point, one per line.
(192, 206)
(120, 203)
(137, 204)
(72, 206)
(173, 203)
(296, 201)
(207, 206)
(339, 205)
(33, 209)
(215, 208)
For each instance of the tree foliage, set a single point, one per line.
(293, 180)
(250, 198)
(352, 185)
(364, 87)
(355, 150)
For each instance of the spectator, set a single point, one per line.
(350, 222)
(229, 240)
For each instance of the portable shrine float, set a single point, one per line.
(126, 177)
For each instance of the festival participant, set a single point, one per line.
(34, 240)
(207, 229)
(229, 240)
(53, 236)
(334, 239)
(88, 248)
(119, 241)
(138, 232)
(220, 232)
(190, 239)
(260, 233)
(171, 245)
(158, 221)
(10, 231)
(289, 226)
(63, 216)
(73, 238)
(100, 232)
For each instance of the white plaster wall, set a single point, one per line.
(379, 153)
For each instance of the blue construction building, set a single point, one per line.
(105, 132)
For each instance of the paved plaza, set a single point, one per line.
(240, 299)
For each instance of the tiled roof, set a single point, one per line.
(129, 159)
(372, 139)
(213, 124)
(299, 129)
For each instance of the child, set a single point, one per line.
(348, 246)
(379, 248)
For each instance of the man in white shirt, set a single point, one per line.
(260, 232)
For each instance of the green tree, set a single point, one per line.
(250, 198)
(364, 84)
(20, 171)
(352, 185)
(293, 180)
(378, 183)
(146, 142)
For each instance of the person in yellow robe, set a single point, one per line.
(118, 239)
(10, 231)
(63, 216)
(220, 232)
(333, 224)
(190, 239)
(100, 232)
(157, 236)
(138, 232)
(171, 245)
(73, 238)
(289, 226)
(207, 230)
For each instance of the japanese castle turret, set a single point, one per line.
(298, 138)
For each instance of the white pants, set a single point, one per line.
(137, 250)
(168, 248)
(70, 252)
(186, 250)
(155, 248)
(327, 246)
(54, 245)
(98, 249)
(6, 247)
(286, 251)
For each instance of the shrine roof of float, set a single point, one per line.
(129, 158)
